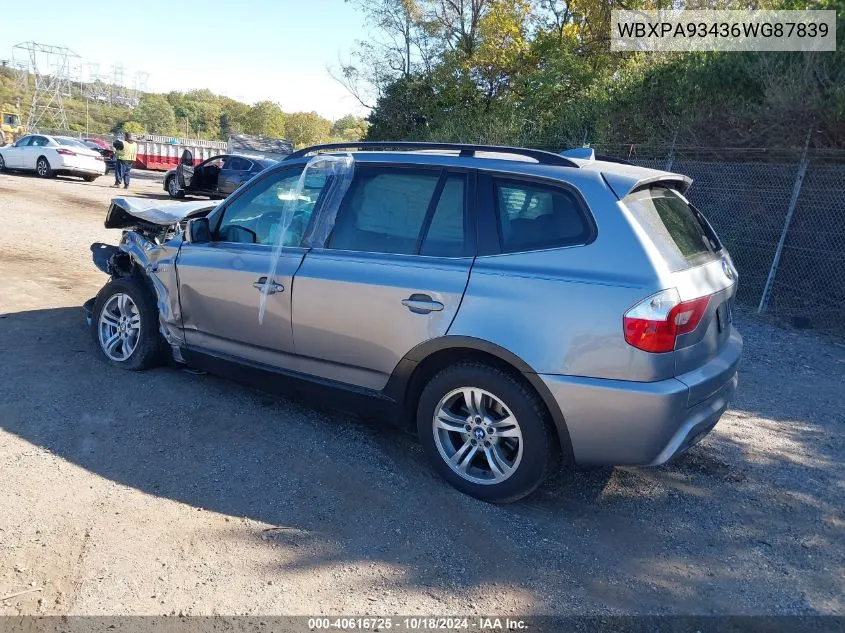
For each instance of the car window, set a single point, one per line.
(70, 142)
(24, 142)
(384, 211)
(682, 237)
(238, 164)
(534, 216)
(255, 217)
(215, 162)
(39, 141)
(445, 236)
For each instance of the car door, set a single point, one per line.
(185, 170)
(235, 172)
(37, 147)
(220, 282)
(13, 155)
(391, 276)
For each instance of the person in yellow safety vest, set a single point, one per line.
(125, 154)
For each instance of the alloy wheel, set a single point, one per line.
(41, 167)
(119, 327)
(477, 436)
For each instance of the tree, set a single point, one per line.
(155, 113)
(306, 128)
(233, 117)
(203, 117)
(133, 127)
(400, 45)
(265, 118)
(349, 128)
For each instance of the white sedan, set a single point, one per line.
(48, 156)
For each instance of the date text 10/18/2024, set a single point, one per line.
(419, 623)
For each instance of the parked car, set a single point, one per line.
(105, 150)
(216, 177)
(48, 156)
(518, 308)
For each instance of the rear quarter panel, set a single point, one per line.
(560, 310)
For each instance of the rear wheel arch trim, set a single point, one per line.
(397, 387)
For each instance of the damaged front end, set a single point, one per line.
(152, 236)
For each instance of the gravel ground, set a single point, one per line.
(167, 492)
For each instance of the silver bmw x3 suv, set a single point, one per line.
(519, 308)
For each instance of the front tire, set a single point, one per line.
(124, 325)
(173, 188)
(43, 169)
(486, 432)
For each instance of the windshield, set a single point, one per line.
(11, 119)
(679, 231)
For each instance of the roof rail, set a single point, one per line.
(541, 156)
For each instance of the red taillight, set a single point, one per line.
(65, 152)
(99, 158)
(653, 324)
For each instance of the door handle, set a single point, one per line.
(274, 286)
(422, 304)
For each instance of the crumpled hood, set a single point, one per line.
(125, 212)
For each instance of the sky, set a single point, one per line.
(250, 50)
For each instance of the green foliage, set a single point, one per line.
(196, 113)
(155, 114)
(540, 72)
(265, 118)
(349, 128)
(306, 128)
(133, 127)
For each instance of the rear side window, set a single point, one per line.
(445, 236)
(238, 164)
(535, 216)
(400, 211)
(682, 236)
(70, 142)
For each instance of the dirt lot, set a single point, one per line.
(168, 492)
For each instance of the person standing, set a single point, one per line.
(124, 156)
(118, 166)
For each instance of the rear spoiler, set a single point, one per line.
(624, 184)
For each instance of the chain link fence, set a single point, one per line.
(781, 214)
(782, 217)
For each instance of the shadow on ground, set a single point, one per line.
(738, 525)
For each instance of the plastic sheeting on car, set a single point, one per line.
(336, 172)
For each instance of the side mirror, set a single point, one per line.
(197, 231)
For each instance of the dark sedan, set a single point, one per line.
(216, 177)
(104, 149)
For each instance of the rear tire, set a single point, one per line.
(42, 168)
(173, 188)
(125, 326)
(2, 164)
(486, 432)
(89, 178)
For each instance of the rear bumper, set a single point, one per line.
(617, 422)
(79, 171)
(78, 166)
